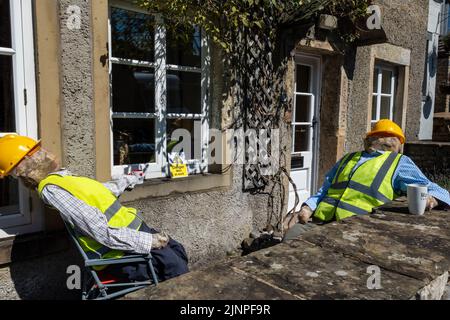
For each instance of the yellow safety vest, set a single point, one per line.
(95, 194)
(358, 192)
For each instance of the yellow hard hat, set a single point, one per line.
(13, 148)
(387, 128)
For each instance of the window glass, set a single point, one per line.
(132, 35)
(184, 92)
(446, 19)
(7, 123)
(387, 82)
(297, 161)
(303, 109)
(134, 141)
(385, 108)
(303, 79)
(374, 108)
(133, 89)
(375, 80)
(302, 138)
(5, 24)
(9, 197)
(189, 125)
(383, 102)
(184, 48)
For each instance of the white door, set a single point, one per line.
(305, 128)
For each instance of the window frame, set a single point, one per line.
(313, 82)
(379, 68)
(28, 217)
(159, 169)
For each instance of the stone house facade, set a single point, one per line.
(92, 93)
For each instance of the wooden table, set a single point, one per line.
(335, 261)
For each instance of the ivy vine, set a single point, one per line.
(221, 19)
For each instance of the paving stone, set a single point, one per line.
(417, 246)
(311, 272)
(218, 282)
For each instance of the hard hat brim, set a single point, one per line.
(387, 134)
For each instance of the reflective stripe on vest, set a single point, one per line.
(95, 194)
(358, 192)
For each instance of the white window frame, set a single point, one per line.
(28, 217)
(444, 18)
(160, 167)
(314, 63)
(378, 94)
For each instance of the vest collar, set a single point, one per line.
(376, 153)
(63, 172)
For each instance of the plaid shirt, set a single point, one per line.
(91, 222)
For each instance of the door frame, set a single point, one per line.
(314, 61)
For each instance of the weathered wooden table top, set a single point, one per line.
(335, 261)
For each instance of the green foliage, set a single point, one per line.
(223, 19)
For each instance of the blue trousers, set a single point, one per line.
(168, 262)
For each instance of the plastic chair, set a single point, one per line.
(96, 288)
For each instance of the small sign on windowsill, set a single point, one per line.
(178, 171)
(177, 165)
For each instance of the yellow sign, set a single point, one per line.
(178, 170)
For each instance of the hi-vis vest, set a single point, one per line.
(95, 194)
(357, 193)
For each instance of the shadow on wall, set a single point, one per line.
(43, 277)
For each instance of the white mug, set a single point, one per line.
(417, 198)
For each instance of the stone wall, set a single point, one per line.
(77, 114)
(441, 127)
(443, 71)
(358, 108)
(433, 158)
(405, 25)
(208, 224)
(334, 98)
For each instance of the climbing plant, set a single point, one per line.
(222, 19)
(249, 33)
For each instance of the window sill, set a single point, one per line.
(20, 248)
(163, 187)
